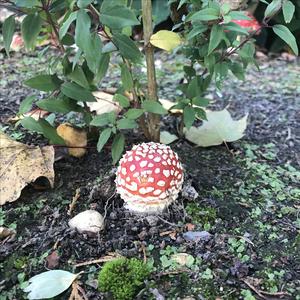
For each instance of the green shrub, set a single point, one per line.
(123, 277)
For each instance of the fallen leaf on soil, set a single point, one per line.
(219, 128)
(52, 260)
(35, 114)
(74, 138)
(5, 232)
(22, 164)
(190, 226)
(167, 104)
(104, 103)
(167, 138)
(183, 259)
(49, 284)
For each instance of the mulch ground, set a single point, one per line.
(244, 200)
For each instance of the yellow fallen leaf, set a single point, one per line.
(165, 39)
(218, 128)
(74, 138)
(22, 164)
(104, 103)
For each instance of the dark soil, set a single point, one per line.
(247, 204)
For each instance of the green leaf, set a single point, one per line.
(117, 147)
(124, 101)
(237, 70)
(126, 124)
(236, 28)
(8, 30)
(31, 124)
(237, 15)
(288, 9)
(284, 33)
(84, 3)
(26, 104)
(199, 101)
(30, 28)
(165, 39)
(200, 113)
(92, 52)
(58, 105)
(46, 83)
(272, 8)
(76, 92)
(188, 116)
(194, 88)
(154, 107)
(103, 67)
(104, 119)
(134, 113)
(82, 30)
(50, 132)
(207, 14)
(118, 17)
(78, 76)
(196, 30)
(27, 3)
(49, 284)
(66, 25)
(127, 47)
(103, 138)
(219, 128)
(216, 37)
(126, 77)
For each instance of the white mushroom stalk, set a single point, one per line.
(149, 177)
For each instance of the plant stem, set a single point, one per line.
(153, 119)
(52, 24)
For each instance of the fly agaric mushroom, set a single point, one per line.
(251, 25)
(149, 177)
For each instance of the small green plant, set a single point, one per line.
(123, 277)
(89, 33)
(204, 216)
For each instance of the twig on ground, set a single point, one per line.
(109, 257)
(73, 203)
(264, 295)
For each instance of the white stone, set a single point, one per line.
(88, 221)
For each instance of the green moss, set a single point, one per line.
(201, 215)
(123, 277)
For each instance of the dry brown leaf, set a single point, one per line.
(35, 114)
(53, 260)
(74, 138)
(20, 165)
(6, 232)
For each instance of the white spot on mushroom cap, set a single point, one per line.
(143, 163)
(123, 171)
(157, 192)
(157, 171)
(132, 168)
(161, 183)
(150, 165)
(166, 173)
(157, 159)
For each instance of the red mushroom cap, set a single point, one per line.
(252, 25)
(149, 177)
